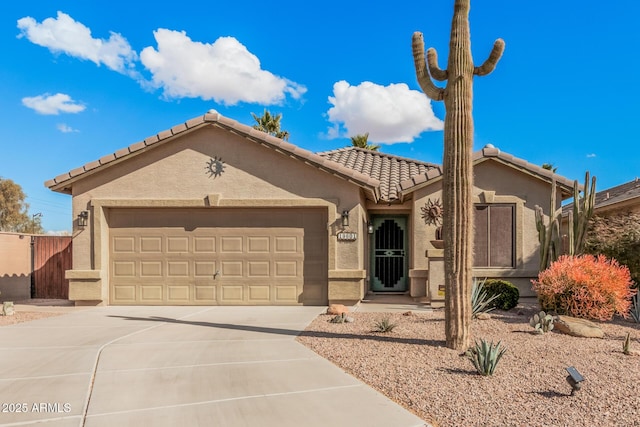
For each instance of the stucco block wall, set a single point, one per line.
(15, 266)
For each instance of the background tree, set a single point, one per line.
(14, 212)
(362, 141)
(457, 180)
(549, 167)
(616, 236)
(270, 124)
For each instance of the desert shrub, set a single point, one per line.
(618, 237)
(507, 295)
(585, 286)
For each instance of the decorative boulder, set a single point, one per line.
(483, 316)
(335, 309)
(578, 327)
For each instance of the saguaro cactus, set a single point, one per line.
(457, 184)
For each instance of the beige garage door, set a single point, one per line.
(218, 256)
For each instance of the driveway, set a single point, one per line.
(180, 366)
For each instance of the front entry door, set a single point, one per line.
(389, 254)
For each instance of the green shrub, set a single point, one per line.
(507, 293)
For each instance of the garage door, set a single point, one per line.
(218, 256)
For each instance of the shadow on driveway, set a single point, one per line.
(289, 332)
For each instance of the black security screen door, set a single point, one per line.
(389, 254)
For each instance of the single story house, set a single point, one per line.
(214, 212)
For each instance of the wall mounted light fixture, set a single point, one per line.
(369, 228)
(83, 216)
(345, 218)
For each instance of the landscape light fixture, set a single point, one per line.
(83, 216)
(574, 379)
(345, 218)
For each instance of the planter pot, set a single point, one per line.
(438, 244)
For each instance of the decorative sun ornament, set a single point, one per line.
(215, 167)
(432, 212)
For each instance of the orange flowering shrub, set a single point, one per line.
(587, 286)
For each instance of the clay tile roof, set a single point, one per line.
(611, 196)
(393, 172)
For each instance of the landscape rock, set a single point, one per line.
(577, 327)
(336, 309)
(483, 316)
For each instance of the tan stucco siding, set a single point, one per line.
(494, 182)
(175, 175)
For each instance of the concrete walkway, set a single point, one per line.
(180, 366)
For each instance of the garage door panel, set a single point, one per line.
(171, 256)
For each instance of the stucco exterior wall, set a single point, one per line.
(175, 174)
(15, 266)
(494, 182)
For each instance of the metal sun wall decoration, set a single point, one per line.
(215, 167)
(432, 212)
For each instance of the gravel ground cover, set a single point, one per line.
(25, 316)
(412, 366)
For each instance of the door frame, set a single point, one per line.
(372, 253)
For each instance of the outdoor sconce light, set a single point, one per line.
(82, 218)
(369, 228)
(345, 218)
(574, 379)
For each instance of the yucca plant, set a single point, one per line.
(480, 301)
(485, 356)
(635, 307)
(384, 325)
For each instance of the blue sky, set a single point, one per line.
(83, 79)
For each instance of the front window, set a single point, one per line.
(494, 235)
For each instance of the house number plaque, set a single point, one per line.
(347, 236)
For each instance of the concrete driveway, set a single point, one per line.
(180, 366)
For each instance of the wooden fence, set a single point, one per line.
(52, 256)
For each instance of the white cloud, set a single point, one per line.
(52, 104)
(64, 34)
(224, 71)
(64, 128)
(390, 114)
(590, 156)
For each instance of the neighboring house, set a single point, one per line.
(214, 212)
(618, 199)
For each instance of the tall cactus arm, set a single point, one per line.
(435, 71)
(491, 62)
(427, 86)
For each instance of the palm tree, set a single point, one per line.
(549, 167)
(362, 141)
(270, 124)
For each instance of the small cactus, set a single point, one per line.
(542, 322)
(626, 345)
(340, 318)
(384, 325)
(485, 356)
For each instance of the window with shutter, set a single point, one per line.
(494, 235)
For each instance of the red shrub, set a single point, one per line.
(585, 286)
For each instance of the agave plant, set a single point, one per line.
(485, 356)
(479, 298)
(384, 325)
